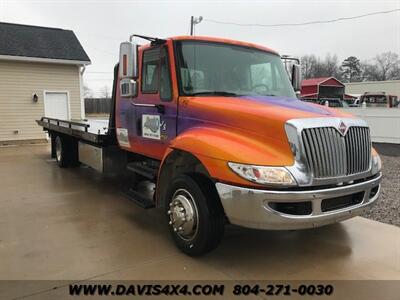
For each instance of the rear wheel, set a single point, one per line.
(66, 151)
(195, 215)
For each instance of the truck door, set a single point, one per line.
(155, 108)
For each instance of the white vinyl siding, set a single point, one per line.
(19, 81)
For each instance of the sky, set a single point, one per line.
(103, 24)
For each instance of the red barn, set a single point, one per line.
(316, 89)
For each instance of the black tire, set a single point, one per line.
(53, 144)
(66, 151)
(210, 216)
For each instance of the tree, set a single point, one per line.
(369, 71)
(395, 75)
(351, 69)
(331, 66)
(319, 69)
(388, 66)
(385, 66)
(313, 67)
(87, 92)
(105, 92)
(308, 64)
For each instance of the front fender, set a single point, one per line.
(214, 147)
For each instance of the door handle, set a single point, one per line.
(143, 104)
(160, 107)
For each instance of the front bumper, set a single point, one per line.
(253, 208)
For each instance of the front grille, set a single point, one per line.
(329, 154)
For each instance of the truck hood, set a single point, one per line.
(243, 129)
(289, 103)
(261, 115)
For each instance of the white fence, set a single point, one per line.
(384, 122)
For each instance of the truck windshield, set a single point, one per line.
(207, 68)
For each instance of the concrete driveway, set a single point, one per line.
(72, 224)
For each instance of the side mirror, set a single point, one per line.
(128, 60)
(128, 69)
(296, 77)
(128, 87)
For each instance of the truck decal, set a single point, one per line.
(151, 126)
(122, 136)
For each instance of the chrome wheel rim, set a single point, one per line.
(58, 149)
(183, 215)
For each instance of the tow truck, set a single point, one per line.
(214, 126)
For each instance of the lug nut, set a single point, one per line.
(170, 205)
(170, 222)
(175, 229)
(169, 212)
(180, 228)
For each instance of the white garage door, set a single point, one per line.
(56, 105)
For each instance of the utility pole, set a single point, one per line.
(193, 22)
(191, 25)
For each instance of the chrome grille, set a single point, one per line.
(329, 154)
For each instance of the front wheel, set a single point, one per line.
(195, 215)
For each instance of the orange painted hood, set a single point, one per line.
(259, 115)
(249, 130)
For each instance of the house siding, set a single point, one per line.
(19, 81)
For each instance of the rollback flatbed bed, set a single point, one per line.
(92, 131)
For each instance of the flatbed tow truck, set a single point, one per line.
(214, 126)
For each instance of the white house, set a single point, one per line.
(40, 75)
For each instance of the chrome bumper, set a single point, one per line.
(250, 207)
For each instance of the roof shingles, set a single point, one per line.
(40, 42)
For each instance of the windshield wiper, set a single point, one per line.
(217, 93)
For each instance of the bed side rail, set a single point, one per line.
(69, 123)
(74, 129)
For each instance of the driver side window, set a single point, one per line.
(150, 70)
(156, 73)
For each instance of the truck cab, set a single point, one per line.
(215, 125)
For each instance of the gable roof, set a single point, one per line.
(25, 41)
(313, 81)
(321, 80)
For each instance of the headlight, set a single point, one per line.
(263, 175)
(376, 163)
